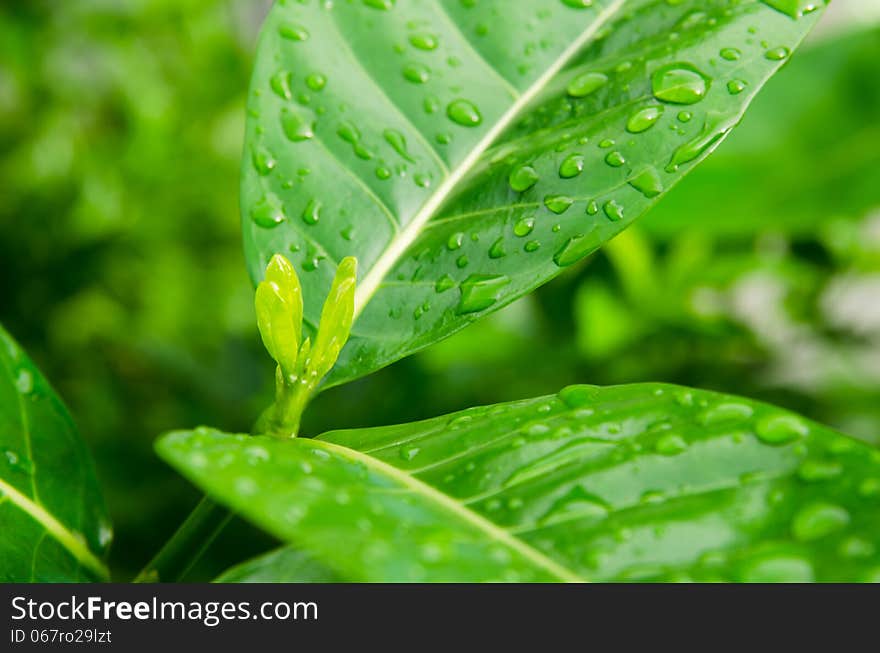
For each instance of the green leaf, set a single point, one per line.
(465, 153)
(55, 528)
(630, 482)
(284, 565)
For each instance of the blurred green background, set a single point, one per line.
(121, 269)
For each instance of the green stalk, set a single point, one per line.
(186, 546)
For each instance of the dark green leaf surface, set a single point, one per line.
(53, 527)
(465, 152)
(629, 482)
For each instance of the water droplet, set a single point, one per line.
(793, 8)
(736, 86)
(297, 127)
(383, 172)
(454, 241)
(532, 246)
(24, 382)
(714, 128)
(592, 207)
(576, 248)
(384, 5)
(670, 444)
(679, 83)
(316, 81)
(613, 210)
(312, 213)
(524, 227)
(685, 116)
(778, 568)
(730, 54)
(819, 470)
(293, 32)
(818, 520)
(410, 452)
(615, 159)
(497, 249)
(578, 4)
(558, 203)
(644, 119)
(280, 83)
(726, 412)
(572, 166)
(586, 83)
(444, 283)
(461, 262)
(780, 429)
(576, 504)
(606, 143)
(647, 182)
(416, 73)
(263, 161)
(480, 291)
(424, 41)
(268, 212)
(777, 54)
(464, 113)
(578, 396)
(522, 178)
(397, 141)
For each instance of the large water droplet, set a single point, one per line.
(780, 429)
(613, 210)
(312, 213)
(572, 166)
(586, 83)
(263, 161)
(614, 159)
(522, 178)
(793, 8)
(818, 520)
(576, 248)
(444, 283)
(280, 83)
(524, 227)
(268, 212)
(644, 119)
(714, 128)
(293, 32)
(558, 203)
(316, 81)
(397, 141)
(480, 291)
(416, 73)
(736, 86)
(647, 182)
(297, 126)
(424, 41)
(679, 83)
(777, 54)
(497, 249)
(384, 5)
(464, 113)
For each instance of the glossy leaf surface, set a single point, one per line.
(53, 527)
(618, 483)
(465, 153)
(284, 565)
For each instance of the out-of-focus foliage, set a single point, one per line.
(121, 270)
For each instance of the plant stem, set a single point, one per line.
(187, 545)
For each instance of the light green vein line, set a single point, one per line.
(510, 88)
(492, 531)
(344, 44)
(56, 529)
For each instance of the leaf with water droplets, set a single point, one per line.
(421, 121)
(636, 482)
(54, 524)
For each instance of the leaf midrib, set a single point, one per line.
(492, 531)
(56, 529)
(401, 242)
